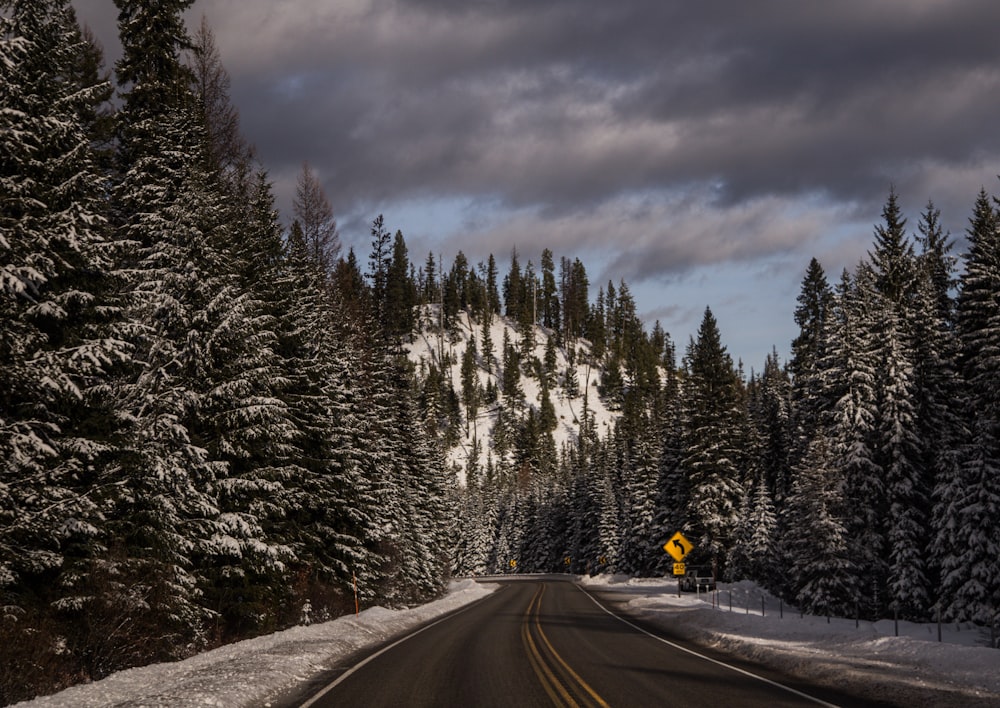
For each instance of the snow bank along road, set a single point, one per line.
(542, 641)
(866, 664)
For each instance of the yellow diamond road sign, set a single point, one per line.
(678, 546)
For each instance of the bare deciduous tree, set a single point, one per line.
(315, 216)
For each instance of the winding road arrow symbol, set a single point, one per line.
(678, 546)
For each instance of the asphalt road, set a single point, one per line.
(547, 642)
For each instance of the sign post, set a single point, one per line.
(678, 547)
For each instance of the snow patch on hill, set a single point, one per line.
(446, 351)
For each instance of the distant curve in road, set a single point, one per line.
(544, 641)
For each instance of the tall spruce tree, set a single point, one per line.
(823, 574)
(714, 420)
(55, 349)
(182, 305)
(899, 457)
(853, 357)
(971, 576)
(939, 404)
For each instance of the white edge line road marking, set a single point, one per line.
(708, 658)
(330, 686)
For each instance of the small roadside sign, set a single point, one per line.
(678, 546)
(679, 569)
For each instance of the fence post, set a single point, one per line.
(762, 610)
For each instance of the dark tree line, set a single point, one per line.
(202, 437)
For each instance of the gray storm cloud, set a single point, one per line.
(562, 111)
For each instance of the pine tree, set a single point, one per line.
(899, 456)
(513, 289)
(641, 474)
(471, 388)
(816, 539)
(492, 294)
(250, 424)
(893, 260)
(55, 348)
(971, 577)
(755, 554)
(772, 420)
(713, 421)
(852, 383)
(548, 296)
(400, 292)
(333, 510)
(810, 407)
(177, 298)
(939, 406)
(377, 274)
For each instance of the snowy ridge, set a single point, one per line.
(430, 342)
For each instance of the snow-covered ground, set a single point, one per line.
(865, 657)
(257, 672)
(911, 669)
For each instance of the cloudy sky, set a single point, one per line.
(701, 151)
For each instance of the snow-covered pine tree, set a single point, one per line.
(53, 352)
(183, 307)
(971, 577)
(939, 391)
(893, 261)
(332, 521)
(714, 421)
(816, 540)
(851, 378)
(898, 449)
(606, 509)
(772, 420)
(810, 406)
(417, 509)
(756, 552)
(671, 485)
(898, 455)
(581, 532)
(641, 474)
(248, 421)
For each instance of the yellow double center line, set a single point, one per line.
(562, 684)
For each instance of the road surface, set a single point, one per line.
(547, 642)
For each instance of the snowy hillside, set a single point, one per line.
(446, 350)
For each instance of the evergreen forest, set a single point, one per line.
(213, 426)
